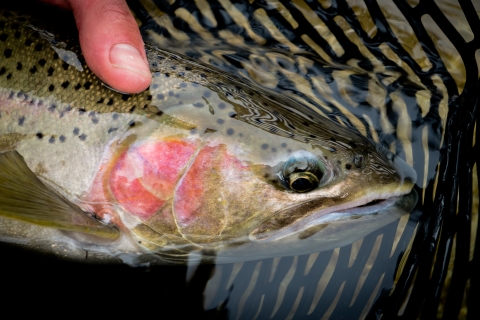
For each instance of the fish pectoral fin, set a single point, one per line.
(24, 197)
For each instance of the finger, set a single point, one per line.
(111, 43)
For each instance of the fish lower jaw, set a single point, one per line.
(367, 205)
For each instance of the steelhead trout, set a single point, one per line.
(200, 162)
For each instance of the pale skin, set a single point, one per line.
(111, 42)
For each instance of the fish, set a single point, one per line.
(201, 162)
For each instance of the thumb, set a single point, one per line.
(111, 43)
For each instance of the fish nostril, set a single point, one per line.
(359, 160)
(409, 180)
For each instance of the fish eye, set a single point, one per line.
(303, 171)
(302, 181)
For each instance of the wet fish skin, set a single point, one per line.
(71, 130)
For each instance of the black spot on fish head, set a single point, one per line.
(7, 53)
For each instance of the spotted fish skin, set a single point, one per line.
(261, 175)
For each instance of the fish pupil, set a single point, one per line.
(302, 185)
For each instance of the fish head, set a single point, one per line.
(230, 183)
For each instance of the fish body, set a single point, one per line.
(200, 162)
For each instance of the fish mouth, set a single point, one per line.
(371, 207)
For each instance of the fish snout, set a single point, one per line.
(406, 174)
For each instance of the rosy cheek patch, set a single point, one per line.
(206, 177)
(144, 176)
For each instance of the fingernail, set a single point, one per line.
(125, 56)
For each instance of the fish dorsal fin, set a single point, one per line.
(24, 197)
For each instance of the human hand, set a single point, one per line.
(110, 42)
